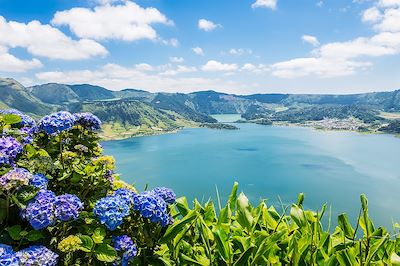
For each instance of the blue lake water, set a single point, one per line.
(270, 162)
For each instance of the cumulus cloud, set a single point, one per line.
(265, 4)
(215, 66)
(207, 25)
(240, 51)
(10, 63)
(198, 50)
(117, 77)
(127, 21)
(346, 58)
(175, 59)
(372, 14)
(310, 39)
(47, 41)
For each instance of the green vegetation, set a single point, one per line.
(219, 126)
(241, 234)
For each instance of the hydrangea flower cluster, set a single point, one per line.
(40, 211)
(57, 122)
(88, 120)
(27, 134)
(37, 255)
(46, 208)
(125, 194)
(26, 121)
(125, 244)
(67, 207)
(152, 207)
(7, 256)
(111, 211)
(70, 244)
(81, 148)
(9, 150)
(167, 194)
(15, 178)
(39, 181)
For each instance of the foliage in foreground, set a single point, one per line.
(240, 234)
(62, 204)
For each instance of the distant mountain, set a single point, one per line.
(15, 95)
(54, 93)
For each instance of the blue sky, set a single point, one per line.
(234, 46)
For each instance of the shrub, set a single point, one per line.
(62, 204)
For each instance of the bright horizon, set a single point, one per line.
(238, 47)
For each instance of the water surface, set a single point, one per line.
(329, 167)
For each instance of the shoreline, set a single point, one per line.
(275, 124)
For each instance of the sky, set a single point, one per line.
(232, 46)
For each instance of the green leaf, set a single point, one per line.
(298, 216)
(395, 259)
(243, 213)
(345, 225)
(105, 252)
(3, 210)
(233, 197)
(11, 119)
(98, 235)
(34, 235)
(88, 243)
(15, 232)
(174, 230)
(182, 205)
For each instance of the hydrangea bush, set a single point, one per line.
(61, 202)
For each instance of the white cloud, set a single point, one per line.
(389, 3)
(180, 69)
(214, 66)
(198, 51)
(240, 51)
(207, 25)
(117, 77)
(107, 2)
(175, 59)
(128, 22)
(144, 67)
(10, 63)
(310, 39)
(320, 3)
(372, 14)
(265, 4)
(171, 42)
(390, 20)
(46, 41)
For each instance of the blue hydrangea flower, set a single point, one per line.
(37, 255)
(128, 255)
(26, 121)
(111, 211)
(27, 134)
(152, 207)
(125, 194)
(5, 249)
(67, 207)
(15, 178)
(166, 194)
(9, 259)
(40, 211)
(9, 150)
(109, 176)
(39, 181)
(57, 122)
(122, 243)
(88, 120)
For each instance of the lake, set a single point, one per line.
(270, 162)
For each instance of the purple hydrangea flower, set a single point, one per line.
(9, 150)
(27, 134)
(166, 194)
(39, 181)
(57, 122)
(88, 120)
(109, 176)
(40, 211)
(67, 207)
(152, 207)
(125, 194)
(15, 178)
(26, 121)
(37, 255)
(111, 211)
(125, 244)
